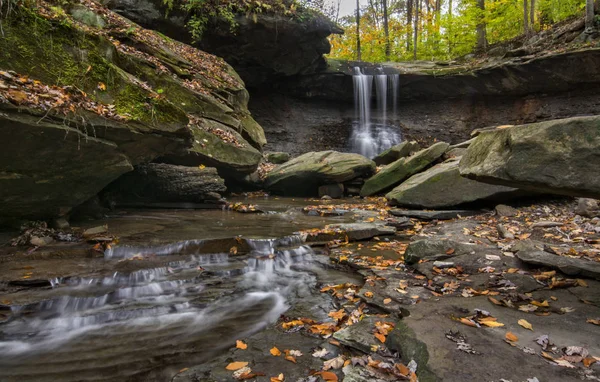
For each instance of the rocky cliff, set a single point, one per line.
(86, 94)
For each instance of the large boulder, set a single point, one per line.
(559, 157)
(396, 152)
(396, 172)
(85, 95)
(303, 175)
(442, 187)
(159, 184)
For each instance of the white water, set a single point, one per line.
(158, 310)
(371, 133)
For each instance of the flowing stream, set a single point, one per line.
(145, 311)
(371, 132)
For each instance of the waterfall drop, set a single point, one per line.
(372, 134)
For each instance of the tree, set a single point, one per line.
(386, 30)
(358, 58)
(409, 17)
(481, 27)
(526, 29)
(416, 29)
(532, 14)
(589, 16)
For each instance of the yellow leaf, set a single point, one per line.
(279, 378)
(543, 304)
(492, 324)
(275, 352)
(511, 337)
(387, 301)
(241, 345)
(101, 86)
(202, 167)
(369, 294)
(525, 324)
(236, 365)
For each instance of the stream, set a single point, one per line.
(168, 296)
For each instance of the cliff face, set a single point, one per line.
(86, 94)
(263, 47)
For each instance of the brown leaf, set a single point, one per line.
(380, 337)
(405, 371)
(275, 352)
(236, 365)
(387, 301)
(592, 321)
(450, 251)
(241, 345)
(494, 301)
(279, 378)
(328, 376)
(587, 362)
(368, 294)
(290, 358)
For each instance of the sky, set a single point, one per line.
(347, 7)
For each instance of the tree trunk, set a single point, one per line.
(358, 58)
(450, 36)
(416, 29)
(532, 15)
(525, 17)
(386, 30)
(481, 28)
(409, 19)
(589, 15)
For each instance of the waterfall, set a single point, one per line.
(370, 135)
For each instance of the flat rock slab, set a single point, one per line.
(568, 265)
(303, 175)
(442, 187)
(440, 249)
(394, 153)
(360, 335)
(352, 231)
(434, 215)
(396, 172)
(558, 157)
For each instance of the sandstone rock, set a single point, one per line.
(40, 241)
(396, 172)
(60, 224)
(505, 211)
(165, 183)
(558, 157)
(359, 336)
(567, 265)
(504, 233)
(303, 175)
(587, 207)
(277, 157)
(439, 249)
(442, 187)
(351, 231)
(394, 153)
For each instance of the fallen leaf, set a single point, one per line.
(334, 363)
(328, 376)
(320, 353)
(101, 86)
(241, 345)
(587, 362)
(275, 352)
(525, 324)
(369, 294)
(543, 304)
(564, 363)
(468, 322)
(279, 378)
(511, 337)
(290, 358)
(595, 322)
(491, 324)
(387, 301)
(450, 251)
(405, 371)
(380, 337)
(236, 365)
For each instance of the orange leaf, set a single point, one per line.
(450, 251)
(468, 322)
(275, 352)
(279, 378)
(101, 86)
(328, 376)
(236, 365)
(587, 362)
(369, 294)
(241, 345)
(405, 371)
(387, 301)
(494, 301)
(290, 358)
(380, 337)
(511, 337)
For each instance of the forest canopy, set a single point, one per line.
(442, 29)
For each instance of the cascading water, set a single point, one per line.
(371, 133)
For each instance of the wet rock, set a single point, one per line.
(360, 335)
(277, 157)
(394, 153)
(567, 265)
(505, 211)
(334, 191)
(404, 340)
(524, 283)
(303, 175)
(396, 172)
(95, 231)
(528, 157)
(399, 223)
(587, 207)
(434, 215)
(442, 187)
(163, 183)
(455, 153)
(546, 224)
(439, 249)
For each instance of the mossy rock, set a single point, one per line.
(303, 175)
(396, 172)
